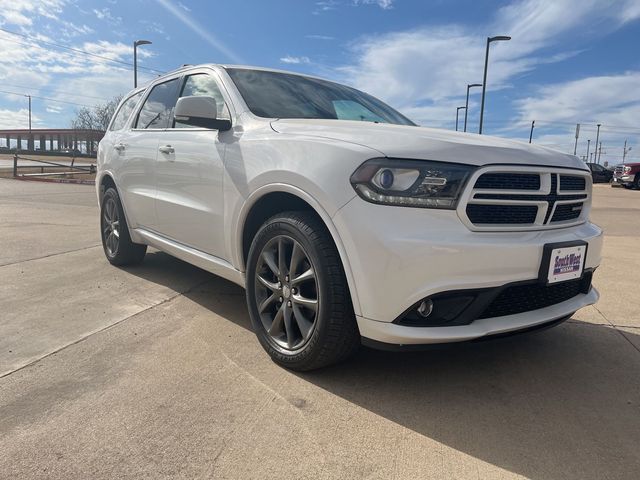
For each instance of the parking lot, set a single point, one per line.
(153, 372)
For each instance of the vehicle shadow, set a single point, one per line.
(562, 403)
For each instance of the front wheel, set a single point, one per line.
(297, 294)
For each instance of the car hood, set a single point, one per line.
(399, 141)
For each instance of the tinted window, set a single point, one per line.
(203, 85)
(121, 117)
(157, 111)
(284, 95)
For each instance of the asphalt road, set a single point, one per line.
(153, 372)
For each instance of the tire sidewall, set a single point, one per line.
(287, 226)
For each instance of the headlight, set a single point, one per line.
(627, 169)
(411, 183)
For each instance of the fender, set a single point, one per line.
(107, 173)
(286, 188)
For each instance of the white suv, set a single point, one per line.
(343, 220)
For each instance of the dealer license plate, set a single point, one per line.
(566, 263)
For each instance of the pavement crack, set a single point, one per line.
(633, 345)
(75, 342)
(50, 255)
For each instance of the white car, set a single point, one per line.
(345, 222)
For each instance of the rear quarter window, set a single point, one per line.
(124, 112)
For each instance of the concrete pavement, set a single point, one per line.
(153, 372)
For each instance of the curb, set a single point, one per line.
(57, 180)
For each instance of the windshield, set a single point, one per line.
(284, 95)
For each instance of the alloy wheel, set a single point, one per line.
(111, 226)
(286, 292)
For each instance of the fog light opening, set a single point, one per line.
(425, 308)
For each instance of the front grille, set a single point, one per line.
(526, 199)
(508, 181)
(525, 298)
(482, 214)
(567, 211)
(619, 170)
(572, 183)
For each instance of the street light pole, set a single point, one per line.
(457, 112)
(599, 152)
(136, 44)
(533, 124)
(625, 150)
(500, 38)
(575, 146)
(29, 138)
(29, 114)
(597, 137)
(466, 105)
(588, 144)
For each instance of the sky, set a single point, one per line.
(569, 61)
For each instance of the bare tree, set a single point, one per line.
(96, 117)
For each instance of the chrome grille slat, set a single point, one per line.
(525, 198)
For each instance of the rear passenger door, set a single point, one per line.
(189, 197)
(139, 148)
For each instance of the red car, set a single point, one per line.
(627, 175)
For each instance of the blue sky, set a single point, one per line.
(569, 61)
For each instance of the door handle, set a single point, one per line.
(119, 147)
(167, 149)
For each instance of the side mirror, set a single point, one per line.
(200, 112)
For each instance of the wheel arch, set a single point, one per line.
(272, 199)
(106, 181)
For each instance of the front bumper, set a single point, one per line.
(392, 333)
(400, 255)
(624, 179)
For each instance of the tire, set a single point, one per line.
(114, 231)
(636, 182)
(296, 332)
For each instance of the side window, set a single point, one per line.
(122, 115)
(203, 85)
(157, 111)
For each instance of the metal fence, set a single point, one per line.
(53, 169)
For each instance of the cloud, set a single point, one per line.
(184, 7)
(21, 12)
(426, 67)
(319, 37)
(384, 4)
(17, 118)
(199, 30)
(153, 27)
(295, 60)
(609, 99)
(325, 6)
(322, 6)
(105, 14)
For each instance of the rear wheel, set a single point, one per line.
(297, 294)
(636, 182)
(116, 242)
